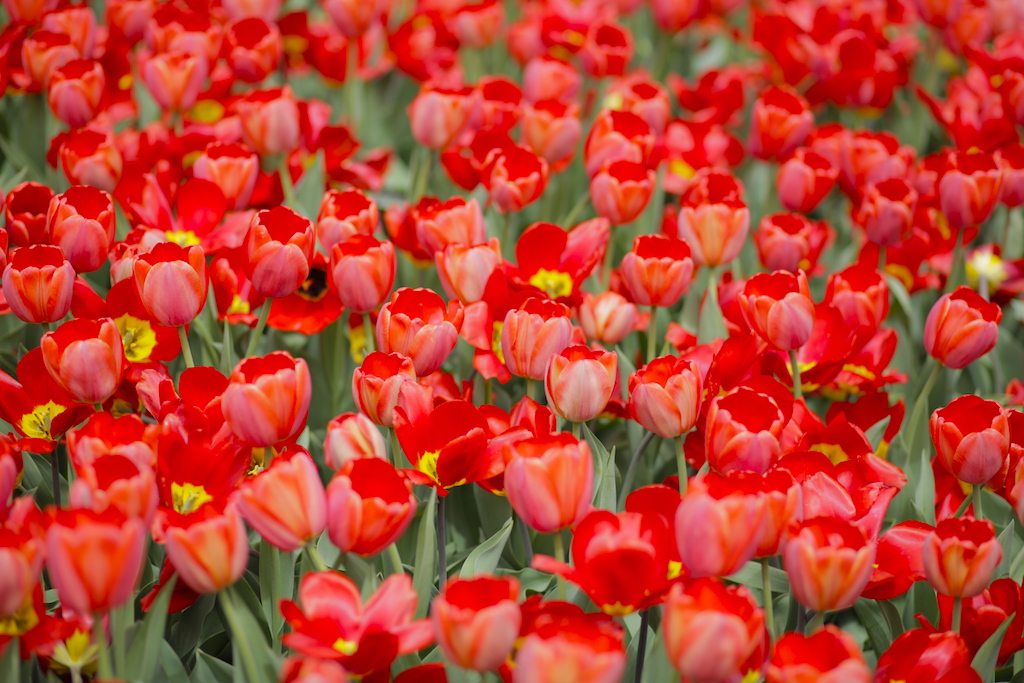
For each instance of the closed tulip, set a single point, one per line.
(300, 669)
(580, 382)
(76, 91)
(81, 222)
(437, 115)
(352, 436)
(581, 647)
(354, 17)
(91, 157)
(657, 270)
(620, 191)
(362, 272)
(779, 123)
(711, 629)
(961, 555)
(370, 504)
(829, 562)
(285, 503)
(476, 620)
(21, 561)
(829, 656)
(532, 334)
(465, 270)
(969, 188)
(270, 120)
(551, 128)
(665, 396)
(861, 295)
(254, 48)
(617, 136)
(789, 241)
(779, 308)
(386, 381)
(25, 213)
(516, 179)
(38, 284)
(455, 221)
(744, 431)
(175, 79)
(86, 357)
(279, 247)
(886, 211)
(344, 214)
(971, 437)
(94, 559)
(961, 327)
(550, 481)
(608, 317)
(714, 224)
(268, 398)
(804, 180)
(719, 524)
(232, 167)
(209, 548)
(417, 323)
(171, 281)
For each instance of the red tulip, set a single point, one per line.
(171, 281)
(828, 656)
(386, 381)
(549, 481)
(86, 358)
(719, 523)
(886, 211)
(714, 222)
(788, 241)
(778, 306)
(804, 180)
(665, 396)
(455, 221)
(779, 123)
(81, 222)
(232, 167)
(75, 91)
(38, 284)
(344, 214)
(608, 317)
(744, 431)
(352, 436)
(209, 548)
(254, 48)
(27, 206)
(279, 246)
(175, 79)
(532, 334)
(270, 120)
(416, 323)
(267, 399)
(961, 555)
(921, 657)
(354, 17)
(476, 621)
(961, 327)
(21, 561)
(621, 190)
(464, 271)
(551, 128)
(972, 438)
(446, 444)
(861, 295)
(969, 188)
(285, 503)
(898, 561)
(829, 562)
(437, 115)
(515, 179)
(91, 157)
(362, 272)
(369, 506)
(657, 270)
(617, 136)
(579, 382)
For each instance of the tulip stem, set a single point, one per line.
(106, 670)
(963, 507)
(577, 428)
(287, 188)
(957, 610)
(186, 350)
(314, 557)
(531, 389)
(652, 334)
(798, 389)
(227, 605)
(524, 531)
(978, 514)
(257, 332)
(766, 587)
(641, 648)
(442, 541)
(120, 618)
(560, 556)
(681, 465)
(55, 471)
(369, 346)
(817, 622)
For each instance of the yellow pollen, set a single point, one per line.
(614, 101)
(554, 283)
(496, 341)
(125, 82)
(77, 653)
(21, 622)
(238, 305)
(137, 336)
(36, 425)
(674, 569)
(681, 168)
(188, 498)
(428, 464)
(207, 111)
(184, 238)
(618, 609)
(833, 452)
(986, 264)
(357, 343)
(345, 647)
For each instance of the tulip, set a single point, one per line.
(333, 623)
(175, 79)
(549, 481)
(788, 241)
(285, 503)
(437, 115)
(91, 157)
(119, 482)
(45, 51)
(1003, 599)
(861, 295)
(719, 524)
(94, 559)
(781, 496)
(744, 431)
(171, 281)
(21, 561)
(386, 381)
(657, 270)
(354, 17)
(665, 396)
(476, 621)
(352, 436)
(362, 272)
(532, 334)
(440, 224)
(254, 48)
(579, 382)
(270, 120)
(344, 214)
(621, 190)
(232, 167)
(268, 398)
(38, 284)
(86, 357)
(969, 188)
(828, 656)
(27, 206)
(551, 128)
(370, 504)
(886, 211)
(961, 327)
(416, 323)
(1011, 161)
(28, 11)
(972, 438)
(582, 647)
(608, 317)
(77, 22)
(299, 669)
(210, 549)
(920, 657)
(280, 247)
(961, 555)
(516, 179)
(464, 271)
(715, 226)
(81, 222)
(75, 91)
(447, 444)
(617, 136)
(550, 78)
(829, 562)
(711, 629)
(607, 50)
(804, 180)
(779, 308)
(779, 123)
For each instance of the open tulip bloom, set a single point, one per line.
(597, 341)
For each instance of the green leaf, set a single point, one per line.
(171, 665)
(902, 297)
(657, 668)
(425, 568)
(985, 661)
(250, 642)
(873, 619)
(311, 188)
(10, 664)
(277, 576)
(876, 433)
(750, 576)
(485, 556)
(141, 662)
(209, 669)
(604, 473)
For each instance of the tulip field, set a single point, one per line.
(531, 341)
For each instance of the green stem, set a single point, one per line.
(798, 389)
(681, 465)
(227, 604)
(394, 558)
(186, 350)
(121, 617)
(351, 83)
(287, 188)
(47, 327)
(100, 636)
(506, 231)
(957, 611)
(422, 176)
(817, 622)
(442, 543)
(652, 334)
(560, 556)
(963, 507)
(531, 388)
(576, 210)
(524, 531)
(957, 272)
(920, 406)
(55, 473)
(978, 514)
(370, 331)
(641, 650)
(766, 587)
(257, 332)
(314, 557)
(577, 429)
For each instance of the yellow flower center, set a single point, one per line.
(21, 622)
(618, 609)
(986, 264)
(681, 168)
(188, 498)
(428, 464)
(36, 425)
(238, 305)
(357, 343)
(184, 238)
(553, 282)
(496, 341)
(207, 111)
(137, 336)
(345, 647)
(77, 653)
(833, 452)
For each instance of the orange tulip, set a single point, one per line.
(621, 190)
(171, 281)
(465, 270)
(829, 562)
(268, 398)
(550, 481)
(85, 357)
(665, 396)
(657, 270)
(232, 167)
(285, 503)
(417, 324)
(961, 327)
(209, 548)
(579, 382)
(81, 222)
(476, 621)
(719, 523)
(344, 214)
(532, 334)
(370, 504)
(38, 283)
(279, 247)
(270, 120)
(961, 555)
(608, 317)
(352, 436)
(362, 272)
(386, 381)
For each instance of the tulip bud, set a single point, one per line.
(532, 334)
(437, 115)
(362, 272)
(464, 271)
(657, 270)
(715, 223)
(45, 51)
(254, 48)
(354, 17)
(232, 167)
(171, 281)
(580, 648)
(550, 78)
(779, 308)
(456, 221)
(416, 323)
(267, 399)
(743, 431)
(608, 317)
(620, 192)
(210, 549)
(285, 503)
(27, 206)
(385, 381)
(665, 396)
(516, 179)
(719, 523)
(81, 222)
(886, 211)
(969, 188)
(551, 128)
(615, 136)
(86, 358)
(21, 556)
(829, 656)
(270, 120)
(476, 621)
(549, 481)
(89, 157)
(344, 214)
(861, 295)
(352, 436)
(789, 241)
(175, 79)
(961, 555)
(38, 284)
(779, 123)
(280, 247)
(961, 327)
(370, 504)
(829, 562)
(579, 382)
(804, 180)
(972, 438)
(75, 91)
